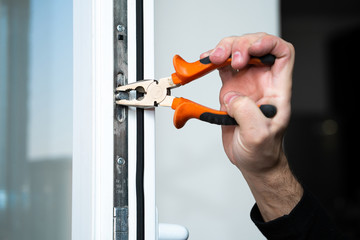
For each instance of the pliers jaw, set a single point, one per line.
(153, 93)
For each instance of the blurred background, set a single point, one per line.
(196, 185)
(322, 138)
(35, 119)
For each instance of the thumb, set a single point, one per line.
(244, 110)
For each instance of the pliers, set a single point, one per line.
(155, 93)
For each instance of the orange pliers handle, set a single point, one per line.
(186, 72)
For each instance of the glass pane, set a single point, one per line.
(35, 119)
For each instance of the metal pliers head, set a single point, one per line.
(153, 93)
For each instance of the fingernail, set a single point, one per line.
(204, 55)
(218, 52)
(237, 58)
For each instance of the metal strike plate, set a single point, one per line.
(121, 227)
(120, 163)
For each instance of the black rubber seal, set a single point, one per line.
(140, 154)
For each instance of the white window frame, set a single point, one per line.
(93, 148)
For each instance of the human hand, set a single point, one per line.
(255, 145)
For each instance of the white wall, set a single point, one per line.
(197, 186)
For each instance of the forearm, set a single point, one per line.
(276, 192)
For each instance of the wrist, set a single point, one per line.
(276, 191)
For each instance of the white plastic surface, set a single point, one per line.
(172, 232)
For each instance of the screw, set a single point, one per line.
(120, 161)
(120, 28)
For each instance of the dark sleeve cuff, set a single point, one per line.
(308, 220)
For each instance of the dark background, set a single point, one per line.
(322, 140)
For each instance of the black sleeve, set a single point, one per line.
(308, 220)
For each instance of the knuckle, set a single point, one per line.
(262, 34)
(291, 47)
(240, 42)
(226, 41)
(257, 34)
